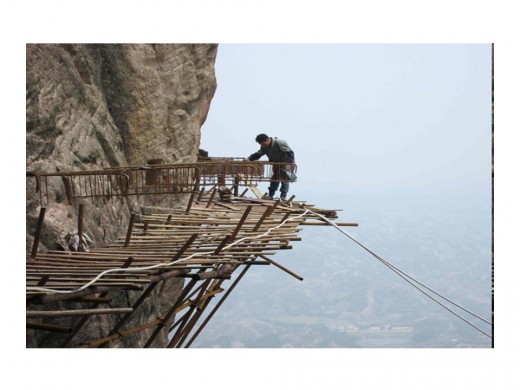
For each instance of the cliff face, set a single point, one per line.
(90, 107)
(95, 106)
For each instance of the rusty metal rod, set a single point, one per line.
(115, 336)
(81, 312)
(185, 331)
(84, 319)
(48, 327)
(38, 233)
(235, 186)
(217, 306)
(88, 291)
(81, 245)
(155, 281)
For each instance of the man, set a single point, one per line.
(276, 150)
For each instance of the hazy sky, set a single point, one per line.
(360, 117)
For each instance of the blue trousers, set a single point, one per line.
(275, 184)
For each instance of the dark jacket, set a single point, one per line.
(279, 151)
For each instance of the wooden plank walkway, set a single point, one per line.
(203, 243)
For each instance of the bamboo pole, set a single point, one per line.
(48, 327)
(293, 274)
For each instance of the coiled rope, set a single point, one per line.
(409, 279)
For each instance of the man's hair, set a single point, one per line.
(261, 137)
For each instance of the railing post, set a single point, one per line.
(38, 233)
(129, 231)
(81, 245)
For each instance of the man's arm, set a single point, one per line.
(256, 156)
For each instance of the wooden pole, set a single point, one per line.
(190, 203)
(217, 306)
(48, 327)
(282, 267)
(211, 197)
(162, 322)
(81, 312)
(81, 245)
(38, 233)
(84, 319)
(241, 222)
(129, 231)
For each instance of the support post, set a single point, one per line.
(129, 231)
(38, 233)
(81, 245)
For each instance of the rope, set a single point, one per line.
(161, 265)
(407, 278)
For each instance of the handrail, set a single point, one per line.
(162, 178)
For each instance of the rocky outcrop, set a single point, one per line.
(90, 107)
(96, 106)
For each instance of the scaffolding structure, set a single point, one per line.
(204, 243)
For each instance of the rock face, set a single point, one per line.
(96, 106)
(90, 107)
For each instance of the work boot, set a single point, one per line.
(283, 196)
